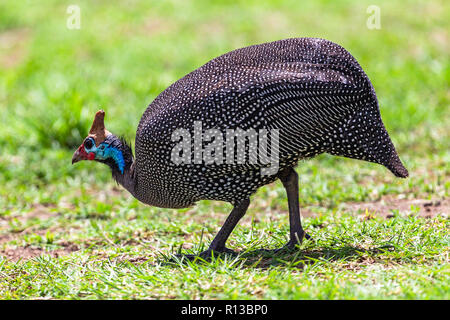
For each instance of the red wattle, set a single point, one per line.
(91, 156)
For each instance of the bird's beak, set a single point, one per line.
(79, 155)
(76, 157)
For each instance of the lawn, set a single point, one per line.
(70, 232)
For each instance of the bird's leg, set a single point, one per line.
(218, 243)
(289, 178)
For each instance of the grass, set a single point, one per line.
(68, 232)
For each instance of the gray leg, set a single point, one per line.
(218, 243)
(289, 178)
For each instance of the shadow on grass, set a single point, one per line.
(298, 258)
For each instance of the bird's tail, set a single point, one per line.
(393, 162)
(365, 137)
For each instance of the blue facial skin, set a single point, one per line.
(105, 151)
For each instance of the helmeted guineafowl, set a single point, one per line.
(293, 99)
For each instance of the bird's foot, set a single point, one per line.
(292, 245)
(207, 254)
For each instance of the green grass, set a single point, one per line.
(80, 236)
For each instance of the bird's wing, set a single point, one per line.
(308, 101)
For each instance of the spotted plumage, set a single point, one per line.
(311, 90)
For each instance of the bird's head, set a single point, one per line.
(101, 145)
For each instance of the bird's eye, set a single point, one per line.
(88, 144)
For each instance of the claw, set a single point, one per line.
(207, 254)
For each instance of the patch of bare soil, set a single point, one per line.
(13, 47)
(388, 206)
(41, 212)
(16, 253)
(29, 252)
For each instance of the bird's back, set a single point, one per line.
(311, 90)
